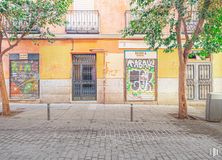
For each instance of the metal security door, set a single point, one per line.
(140, 75)
(199, 81)
(24, 77)
(84, 77)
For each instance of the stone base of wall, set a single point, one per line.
(60, 91)
(114, 89)
(197, 103)
(217, 85)
(55, 91)
(167, 91)
(100, 91)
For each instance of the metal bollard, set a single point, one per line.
(48, 111)
(131, 113)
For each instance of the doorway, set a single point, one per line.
(199, 80)
(84, 77)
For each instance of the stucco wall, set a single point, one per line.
(111, 15)
(217, 72)
(56, 70)
(114, 69)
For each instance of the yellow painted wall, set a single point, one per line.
(55, 62)
(168, 65)
(114, 65)
(100, 65)
(56, 59)
(84, 45)
(217, 65)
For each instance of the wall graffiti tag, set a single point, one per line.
(24, 79)
(140, 79)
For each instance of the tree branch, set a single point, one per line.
(18, 39)
(185, 29)
(6, 35)
(198, 28)
(13, 45)
(1, 38)
(179, 40)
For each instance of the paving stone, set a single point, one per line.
(78, 132)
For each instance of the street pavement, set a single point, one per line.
(104, 132)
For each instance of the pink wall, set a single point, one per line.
(112, 16)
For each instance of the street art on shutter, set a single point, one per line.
(24, 79)
(140, 75)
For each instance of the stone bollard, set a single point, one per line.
(131, 112)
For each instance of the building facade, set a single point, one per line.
(91, 62)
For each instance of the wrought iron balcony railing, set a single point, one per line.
(82, 21)
(192, 22)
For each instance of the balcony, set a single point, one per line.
(192, 22)
(82, 22)
(19, 26)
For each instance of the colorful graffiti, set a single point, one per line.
(24, 79)
(140, 79)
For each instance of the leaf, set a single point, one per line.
(25, 16)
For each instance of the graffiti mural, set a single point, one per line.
(24, 79)
(140, 78)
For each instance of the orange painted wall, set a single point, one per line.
(85, 45)
(56, 59)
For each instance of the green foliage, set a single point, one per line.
(19, 17)
(211, 37)
(157, 21)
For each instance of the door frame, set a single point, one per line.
(27, 59)
(156, 77)
(83, 53)
(196, 79)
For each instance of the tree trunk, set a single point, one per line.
(5, 101)
(182, 91)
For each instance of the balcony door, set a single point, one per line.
(83, 19)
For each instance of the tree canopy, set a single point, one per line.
(179, 24)
(19, 17)
(157, 20)
(210, 40)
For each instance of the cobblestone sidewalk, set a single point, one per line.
(103, 132)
